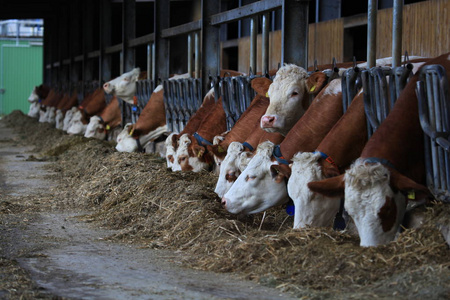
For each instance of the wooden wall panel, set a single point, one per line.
(326, 40)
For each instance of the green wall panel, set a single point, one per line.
(21, 69)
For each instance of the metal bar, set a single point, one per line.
(93, 54)
(371, 32)
(162, 54)
(253, 41)
(246, 11)
(105, 40)
(142, 40)
(210, 43)
(197, 54)
(128, 33)
(181, 29)
(189, 54)
(154, 63)
(397, 28)
(265, 43)
(113, 49)
(149, 61)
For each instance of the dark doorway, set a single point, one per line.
(355, 43)
(230, 58)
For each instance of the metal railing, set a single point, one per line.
(434, 111)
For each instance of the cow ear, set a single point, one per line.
(283, 170)
(413, 190)
(198, 150)
(217, 150)
(331, 187)
(175, 138)
(261, 85)
(315, 82)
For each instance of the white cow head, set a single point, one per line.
(229, 169)
(125, 142)
(76, 125)
(59, 119)
(170, 151)
(33, 96)
(35, 107)
(289, 97)
(95, 129)
(310, 208)
(51, 115)
(68, 118)
(123, 86)
(257, 188)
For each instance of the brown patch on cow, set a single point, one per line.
(283, 170)
(388, 214)
(218, 152)
(231, 177)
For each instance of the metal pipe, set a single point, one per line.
(154, 63)
(189, 54)
(149, 61)
(253, 41)
(197, 54)
(371, 32)
(265, 43)
(397, 28)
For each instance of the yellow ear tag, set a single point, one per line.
(131, 132)
(312, 89)
(220, 149)
(108, 127)
(411, 195)
(199, 154)
(267, 94)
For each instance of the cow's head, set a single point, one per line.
(123, 86)
(68, 118)
(375, 198)
(125, 141)
(171, 146)
(257, 188)
(59, 119)
(191, 156)
(76, 124)
(311, 209)
(95, 128)
(34, 110)
(51, 115)
(229, 169)
(33, 96)
(289, 97)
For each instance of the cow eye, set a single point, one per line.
(126, 79)
(294, 94)
(250, 178)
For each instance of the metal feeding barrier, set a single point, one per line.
(379, 96)
(182, 98)
(434, 111)
(351, 84)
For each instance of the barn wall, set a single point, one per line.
(426, 27)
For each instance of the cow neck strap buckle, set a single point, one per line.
(245, 144)
(327, 159)
(278, 156)
(382, 161)
(201, 140)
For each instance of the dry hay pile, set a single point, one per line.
(152, 206)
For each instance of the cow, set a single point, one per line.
(106, 123)
(94, 104)
(124, 86)
(389, 172)
(63, 107)
(37, 95)
(258, 187)
(290, 97)
(46, 110)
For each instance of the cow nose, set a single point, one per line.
(106, 86)
(224, 202)
(267, 121)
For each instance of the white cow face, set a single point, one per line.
(125, 142)
(170, 151)
(59, 119)
(33, 96)
(257, 188)
(95, 129)
(229, 169)
(185, 158)
(68, 118)
(376, 210)
(35, 107)
(312, 209)
(43, 115)
(51, 115)
(76, 126)
(123, 86)
(288, 98)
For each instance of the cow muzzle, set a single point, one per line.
(267, 121)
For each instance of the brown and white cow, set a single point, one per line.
(258, 187)
(38, 94)
(105, 123)
(390, 171)
(70, 101)
(124, 86)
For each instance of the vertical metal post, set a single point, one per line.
(128, 33)
(210, 43)
(105, 40)
(372, 32)
(197, 54)
(162, 55)
(189, 54)
(153, 62)
(294, 32)
(265, 43)
(253, 42)
(149, 61)
(88, 39)
(397, 28)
